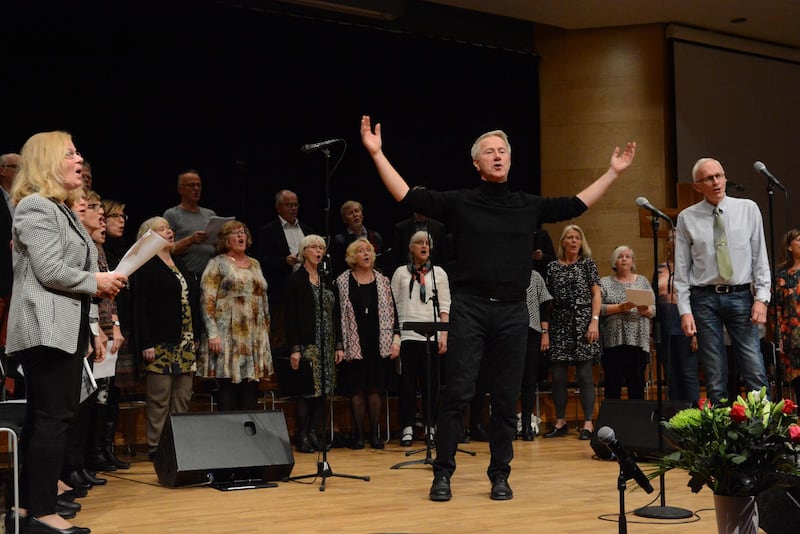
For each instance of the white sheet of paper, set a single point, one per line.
(640, 297)
(214, 226)
(140, 253)
(107, 367)
(88, 384)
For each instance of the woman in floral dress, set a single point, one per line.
(236, 316)
(787, 305)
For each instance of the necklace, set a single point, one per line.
(237, 260)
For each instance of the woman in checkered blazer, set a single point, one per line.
(55, 276)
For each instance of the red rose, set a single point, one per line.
(702, 403)
(794, 433)
(789, 406)
(738, 414)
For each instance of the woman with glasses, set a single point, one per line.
(313, 331)
(55, 277)
(236, 316)
(167, 324)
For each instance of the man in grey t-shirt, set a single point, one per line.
(189, 221)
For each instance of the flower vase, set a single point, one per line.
(736, 515)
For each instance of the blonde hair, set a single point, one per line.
(150, 224)
(350, 254)
(40, 167)
(584, 252)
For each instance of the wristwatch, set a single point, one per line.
(545, 330)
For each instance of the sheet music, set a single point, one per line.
(640, 297)
(140, 253)
(214, 226)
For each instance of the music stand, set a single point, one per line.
(427, 329)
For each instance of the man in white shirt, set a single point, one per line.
(709, 297)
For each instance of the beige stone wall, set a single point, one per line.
(599, 89)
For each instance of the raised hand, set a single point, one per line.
(621, 161)
(372, 140)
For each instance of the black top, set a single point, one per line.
(6, 270)
(301, 311)
(492, 229)
(156, 295)
(271, 251)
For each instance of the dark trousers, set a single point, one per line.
(498, 330)
(624, 365)
(530, 377)
(415, 365)
(236, 397)
(53, 380)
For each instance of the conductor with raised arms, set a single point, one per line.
(489, 319)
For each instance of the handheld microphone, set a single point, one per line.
(316, 146)
(760, 167)
(626, 463)
(644, 203)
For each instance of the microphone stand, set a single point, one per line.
(621, 487)
(324, 470)
(663, 511)
(773, 313)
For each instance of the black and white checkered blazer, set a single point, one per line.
(54, 265)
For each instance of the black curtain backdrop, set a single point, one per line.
(234, 93)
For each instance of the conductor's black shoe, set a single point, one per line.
(501, 491)
(557, 432)
(440, 489)
(585, 435)
(478, 433)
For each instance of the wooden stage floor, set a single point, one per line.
(558, 488)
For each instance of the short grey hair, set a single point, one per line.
(699, 163)
(476, 146)
(307, 241)
(616, 254)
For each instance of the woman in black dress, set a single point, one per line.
(370, 335)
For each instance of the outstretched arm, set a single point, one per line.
(372, 141)
(619, 162)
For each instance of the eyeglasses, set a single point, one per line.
(114, 215)
(238, 232)
(72, 154)
(708, 180)
(289, 204)
(93, 206)
(9, 166)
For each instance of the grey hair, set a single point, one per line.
(307, 241)
(699, 163)
(418, 237)
(616, 254)
(476, 146)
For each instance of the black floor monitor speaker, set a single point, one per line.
(224, 447)
(635, 424)
(779, 508)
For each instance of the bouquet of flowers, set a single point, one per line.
(738, 450)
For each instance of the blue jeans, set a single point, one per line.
(711, 312)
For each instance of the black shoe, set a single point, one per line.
(35, 526)
(93, 480)
(477, 433)
(76, 481)
(357, 443)
(501, 491)
(376, 442)
(66, 514)
(108, 452)
(585, 435)
(74, 493)
(440, 489)
(314, 441)
(303, 444)
(99, 462)
(66, 504)
(557, 432)
(527, 433)
(151, 455)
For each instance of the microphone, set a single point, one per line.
(626, 462)
(760, 167)
(311, 147)
(644, 203)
